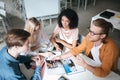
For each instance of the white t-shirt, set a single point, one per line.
(95, 54)
(67, 35)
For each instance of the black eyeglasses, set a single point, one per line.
(93, 33)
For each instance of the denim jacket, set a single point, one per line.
(9, 66)
(36, 75)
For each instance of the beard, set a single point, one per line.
(93, 39)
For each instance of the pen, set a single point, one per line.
(52, 52)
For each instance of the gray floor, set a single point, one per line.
(84, 18)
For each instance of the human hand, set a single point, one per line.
(39, 60)
(58, 40)
(57, 47)
(80, 61)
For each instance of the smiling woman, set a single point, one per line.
(66, 31)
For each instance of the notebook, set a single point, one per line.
(107, 14)
(65, 66)
(71, 67)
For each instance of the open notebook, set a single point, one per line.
(71, 67)
(66, 66)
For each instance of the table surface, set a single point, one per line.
(115, 20)
(85, 75)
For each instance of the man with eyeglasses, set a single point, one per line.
(98, 46)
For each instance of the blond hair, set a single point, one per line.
(30, 25)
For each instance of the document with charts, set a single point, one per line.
(66, 66)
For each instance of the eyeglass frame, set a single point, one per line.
(92, 33)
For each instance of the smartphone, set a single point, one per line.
(63, 78)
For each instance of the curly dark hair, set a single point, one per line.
(71, 15)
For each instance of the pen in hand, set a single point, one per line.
(52, 52)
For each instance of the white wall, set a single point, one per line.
(40, 8)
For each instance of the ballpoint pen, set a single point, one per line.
(52, 52)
